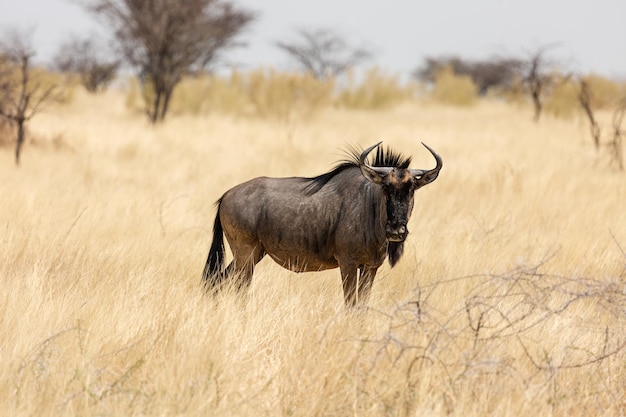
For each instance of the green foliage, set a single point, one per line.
(452, 89)
(376, 91)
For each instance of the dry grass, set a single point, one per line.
(509, 301)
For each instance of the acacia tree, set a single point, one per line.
(539, 77)
(323, 53)
(21, 95)
(85, 58)
(165, 40)
(496, 72)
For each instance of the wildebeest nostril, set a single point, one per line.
(396, 230)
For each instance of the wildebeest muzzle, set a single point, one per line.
(397, 233)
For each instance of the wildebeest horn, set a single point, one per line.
(435, 170)
(374, 174)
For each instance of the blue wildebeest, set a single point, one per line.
(351, 217)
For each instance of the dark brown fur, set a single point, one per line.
(351, 217)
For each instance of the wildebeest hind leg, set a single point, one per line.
(242, 266)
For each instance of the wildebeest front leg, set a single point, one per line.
(349, 279)
(366, 280)
(356, 286)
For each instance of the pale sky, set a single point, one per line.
(589, 35)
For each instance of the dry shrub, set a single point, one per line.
(604, 93)
(280, 97)
(283, 96)
(287, 99)
(503, 328)
(452, 89)
(210, 93)
(7, 133)
(376, 91)
(189, 97)
(40, 83)
(514, 94)
(562, 100)
(138, 95)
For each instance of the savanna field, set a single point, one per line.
(509, 300)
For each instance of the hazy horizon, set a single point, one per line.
(400, 34)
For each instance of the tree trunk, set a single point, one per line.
(153, 113)
(585, 101)
(20, 140)
(537, 105)
(167, 94)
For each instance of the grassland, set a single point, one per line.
(509, 300)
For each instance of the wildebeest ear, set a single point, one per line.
(371, 174)
(427, 177)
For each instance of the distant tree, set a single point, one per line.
(584, 98)
(84, 57)
(614, 144)
(168, 39)
(323, 53)
(486, 74)
(22, 95)
(539, 75)
(496, 72)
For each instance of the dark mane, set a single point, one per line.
(384, 158)
(390, 158)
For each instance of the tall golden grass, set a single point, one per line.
(509, 299)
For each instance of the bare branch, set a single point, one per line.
(89, 60)
(618, 134)
(538, 77)
(324, 53)
(584, 98)
(505, 324)
(22, 95)
(167, 39)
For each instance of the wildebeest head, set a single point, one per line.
(398, 183)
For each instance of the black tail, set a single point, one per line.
(215, 262)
